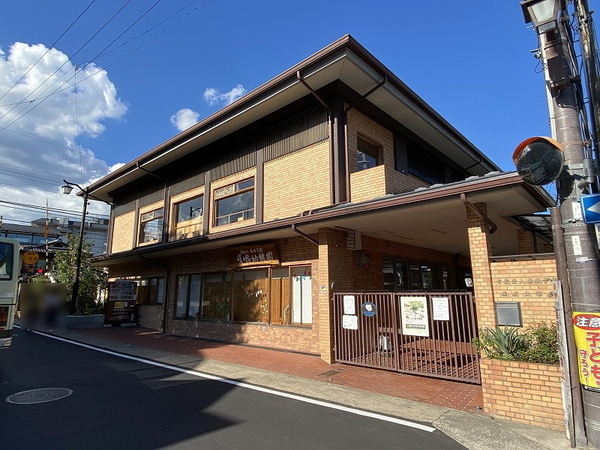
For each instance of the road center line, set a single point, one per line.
(244, 385)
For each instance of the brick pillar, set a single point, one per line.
(335, 266)
(480, 250)
(526, 240)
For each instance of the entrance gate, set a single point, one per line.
(412, 332)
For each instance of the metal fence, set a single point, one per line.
(426, 333)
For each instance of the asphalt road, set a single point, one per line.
(119, 403)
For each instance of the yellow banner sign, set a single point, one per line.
(587, 340)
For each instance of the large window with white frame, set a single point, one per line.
(234, 202)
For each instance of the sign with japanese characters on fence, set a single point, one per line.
(415, 318)
(587, 339)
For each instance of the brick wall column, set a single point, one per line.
(335, 266)
(526, 240)
(480, 250)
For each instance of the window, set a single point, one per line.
(216, 302)
(187, 217)
(301, 295)
(150, 291)
(151, 226)
(403, 275)
(251, 296)
(6, 261)
(189, 291)
(235, 202)
(368, 154)
(189, 210)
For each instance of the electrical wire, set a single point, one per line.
(48, 49)
(62, 65)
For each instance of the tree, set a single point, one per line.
(90, 279)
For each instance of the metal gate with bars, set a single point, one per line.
(436, 338)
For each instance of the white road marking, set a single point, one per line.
(241, 384)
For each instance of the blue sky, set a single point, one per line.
(469, 60)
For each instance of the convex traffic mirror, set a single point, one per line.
(539, 160)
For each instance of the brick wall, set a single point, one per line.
(526, 241)
(523, 392)
(530, 282)
(151, 316)
(360, 124)
(368, 184)
(380, 180)
(297, 182)
(122, 236)
(480, 251)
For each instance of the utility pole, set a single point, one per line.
(564, 95)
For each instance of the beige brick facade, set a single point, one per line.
(123, 232)
(480, 250)
(529, 282)
(523, 392)
(297, 182)
(377, 181)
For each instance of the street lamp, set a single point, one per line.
(66, 189)
(542, 13)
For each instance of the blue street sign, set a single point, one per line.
(590, 208)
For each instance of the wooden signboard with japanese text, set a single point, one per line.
(257, 255)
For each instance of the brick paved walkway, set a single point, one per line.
(451, 394)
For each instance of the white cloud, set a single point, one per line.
(213, 97)
(184, 118)
(38, 139)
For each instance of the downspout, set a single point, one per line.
(166, 299)
(304, 235)
(486, 219)
(348, 108)
(166, 218)
(330, 130)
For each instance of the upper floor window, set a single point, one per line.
(189, 209)
(151, 226)
(234, 202)
(368, 154)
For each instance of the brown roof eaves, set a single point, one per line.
(440, 192)
(346, 41)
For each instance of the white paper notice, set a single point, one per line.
(350, 322)
(349, 307)
(441, 308)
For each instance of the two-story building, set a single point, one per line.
(332, 177)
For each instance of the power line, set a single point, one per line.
(26, 206)
(60, 67)
(36, 138)
(103, 53)
(48, 49)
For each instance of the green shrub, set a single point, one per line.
(542, 345)
(501, 342)
(538, 344)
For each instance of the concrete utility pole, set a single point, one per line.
(564, 94)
